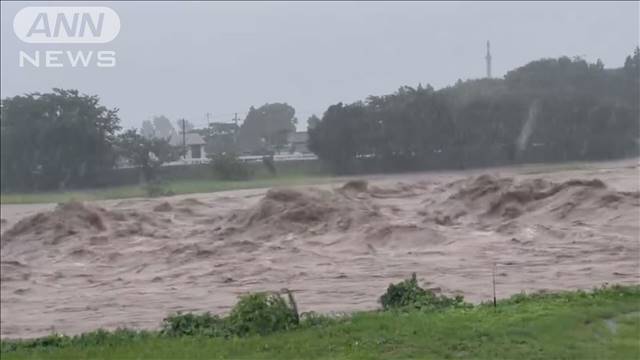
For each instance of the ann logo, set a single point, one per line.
(73, 28)
(59, 25)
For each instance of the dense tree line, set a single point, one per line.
(548, 110)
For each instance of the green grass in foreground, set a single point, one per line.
(604, 324)
(177, 186)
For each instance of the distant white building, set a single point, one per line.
(194, 147)
(196, 150)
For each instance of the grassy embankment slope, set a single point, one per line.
(291, 177)
(176, 186)
(574, 325)
(187, 179)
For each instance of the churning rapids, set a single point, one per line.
(127, 263)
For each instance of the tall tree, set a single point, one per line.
(163, 127)
(336, 137)
(267, 128)
(146, 154)
(55, 140)
(313, 121)
(148, 130)
(220, 138)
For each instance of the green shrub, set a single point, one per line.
(229, 167)
(262, 313)
(194, 324)
(405, 293)
(408, 294)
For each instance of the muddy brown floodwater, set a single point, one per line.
(127, 263)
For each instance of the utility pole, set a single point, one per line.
(235, 130)
(208, 119)
(488, 58)
(184, 140)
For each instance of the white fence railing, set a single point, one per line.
(247, 158)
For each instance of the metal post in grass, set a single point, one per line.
(495, 304)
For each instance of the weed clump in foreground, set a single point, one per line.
(262, 313)
(258, 313)
(604, 291)
(94, 338)
(194, 324)
(408, 294)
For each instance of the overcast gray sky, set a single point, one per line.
(185, 59)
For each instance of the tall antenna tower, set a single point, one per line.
(488, 58)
